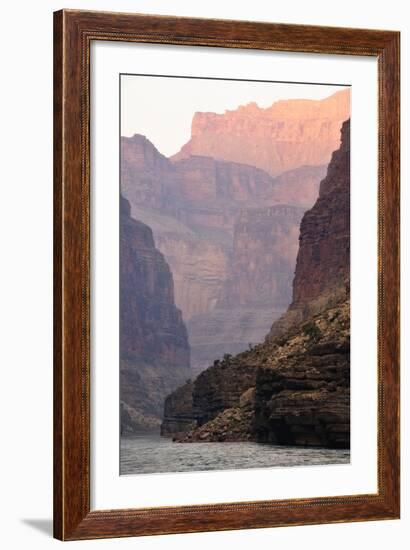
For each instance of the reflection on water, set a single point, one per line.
(150, 453)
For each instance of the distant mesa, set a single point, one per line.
(287, 135)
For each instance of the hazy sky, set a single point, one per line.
(161, 108)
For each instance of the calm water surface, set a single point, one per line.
(150, 453)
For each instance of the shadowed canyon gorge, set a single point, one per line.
(294, 388)
(153, 338)
(215, 321)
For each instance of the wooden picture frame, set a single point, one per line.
(74, 32)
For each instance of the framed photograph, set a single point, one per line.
(226, 275)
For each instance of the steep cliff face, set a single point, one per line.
(257, 288)
(145, 173)
(301, 391)
(265, 246)
(323, 261)
(192, 207)
(202, 178)
(154, 347)
(284, 136)
(300, 186)
(199, 268)
(300, 394)
(325, 230)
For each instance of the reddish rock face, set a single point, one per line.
(258, 285)
(265, 246)
(154, 347)
(199, 268)
(301, 393)
(324, 253)
(144, 172)
(282, 137)
(323, 262)
(299, 186)
(202, 178)
(230, 246)
(192, 207)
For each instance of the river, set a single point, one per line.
(150, 453)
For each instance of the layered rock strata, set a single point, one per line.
(216, 390)
(322, 274)
(284, 136)
(258, 288)
(193, 205)
(301, 391)
(154, 350)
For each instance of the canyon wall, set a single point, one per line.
(300, 392)
(258, 288)
(284, 136)
(213, 221)
(154, 350)
(322, 274)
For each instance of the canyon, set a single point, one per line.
(322, 274)
(257, 289)
(212, 219)
(286, 135)
(154, 349)
(294, 387)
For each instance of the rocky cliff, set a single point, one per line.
(154, 351)
(265, 246)
(302, 391)
(192, 207)
(215, 391)
(299, 186)
(300, 394)
(258, 286)
(323, 262)
(145, 173)
(296, 390)
(284, 136)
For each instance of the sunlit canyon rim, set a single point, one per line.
(234, 279)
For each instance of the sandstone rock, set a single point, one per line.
(258, 285)
(154, 351)
(230, 425)
(299, 186)
(323, 261)
(220, 387)
(265, 246)
(299, 378)
(302, 394)
(284, 136)
(192, 207)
